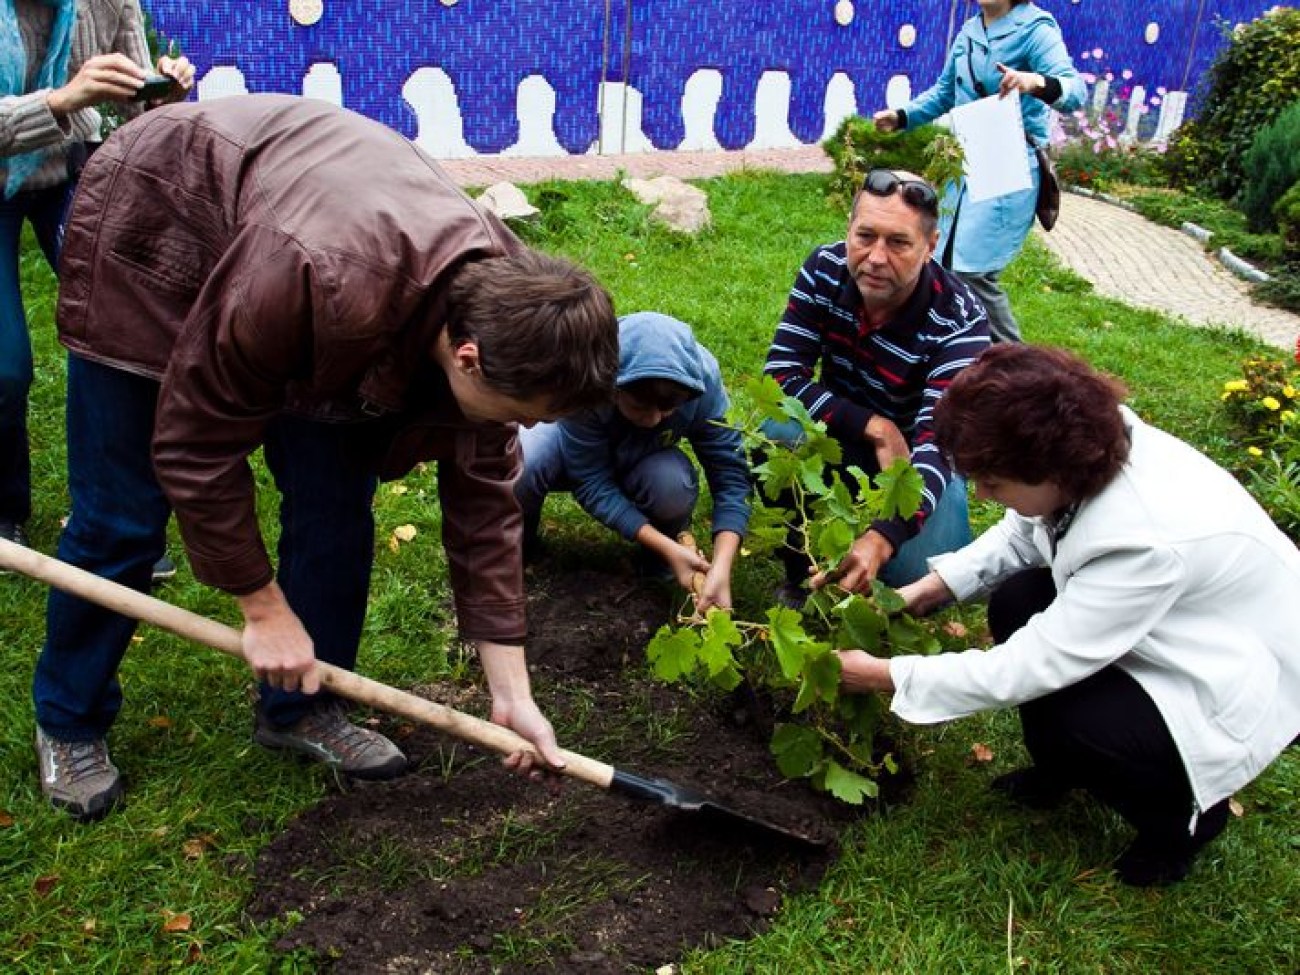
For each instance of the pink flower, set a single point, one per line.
(1162, 90)
(1084, 56)
(1126, 74)
(1155, 101)
(1098, 52)
(1088, 77)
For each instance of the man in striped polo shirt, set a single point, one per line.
(890, 329)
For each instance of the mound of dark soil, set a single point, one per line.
(462, 867)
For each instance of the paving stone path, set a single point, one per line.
(1142, 263)
(1121, 253)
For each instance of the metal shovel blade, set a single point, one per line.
(673, 796)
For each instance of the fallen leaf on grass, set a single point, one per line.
(402, 533)
(44, 885)
(981, 752)
(88, 926)
(6, 820)
(176, 923)
(955, 628)
(160, 721)
(195, 847)
(398, 488)
(1236, 808)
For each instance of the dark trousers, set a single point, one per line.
(1103, 734)
(117, 529)
(45, 210)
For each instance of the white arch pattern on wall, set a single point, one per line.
(431, 93)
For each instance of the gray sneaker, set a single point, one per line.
(78, 776)
(326, 735)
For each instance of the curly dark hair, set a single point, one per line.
(544, 327)
(1034, 414)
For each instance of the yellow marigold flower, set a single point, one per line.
(1289, 392)
(1286, 416)
(1271, 402)
(1254, 452)
(1236, 386)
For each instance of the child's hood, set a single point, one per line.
(655, 346)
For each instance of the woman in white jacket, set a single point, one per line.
(1145, 610)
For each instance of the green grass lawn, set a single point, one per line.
(953, 881)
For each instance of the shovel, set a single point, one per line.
(128, 602)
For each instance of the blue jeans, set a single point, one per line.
(117, 529)
(46, 210)
(946, 530)
(661, 481)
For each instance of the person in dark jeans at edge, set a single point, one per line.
(1142, 605)
(276, 272)
(58, 61)
(890, 330)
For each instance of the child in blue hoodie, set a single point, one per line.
(623, 465)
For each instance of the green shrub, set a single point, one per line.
(1286, 213)
(1254, 78)
(1272, 166)
(857, 147)
(1282, 290)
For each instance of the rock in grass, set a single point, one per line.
(677, 205)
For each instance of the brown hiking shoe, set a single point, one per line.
(78, 776)
(326, 735)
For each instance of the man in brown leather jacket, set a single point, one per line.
(274, 272)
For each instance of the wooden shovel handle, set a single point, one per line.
(345, 683)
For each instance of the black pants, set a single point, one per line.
(1103, 734)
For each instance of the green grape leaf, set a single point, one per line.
(900, 486)
(767, 396)
(728, 679)
(848, 786)
(821, 682)
(889, 601)
(862, 625)
(720, 635)
(673, 654)
(795, 410)
(811, 474)
(791, 643)
(825, 447)
(909, 636)
(837, 504)
(861, 751)
(777, 473)
(831, 541)
(798, 750)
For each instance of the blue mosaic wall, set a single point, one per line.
(487, 47)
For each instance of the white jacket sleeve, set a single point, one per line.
(1105, 609)
(1006, 548)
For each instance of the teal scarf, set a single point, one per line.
(13, 73)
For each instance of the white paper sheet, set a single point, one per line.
(992, 134)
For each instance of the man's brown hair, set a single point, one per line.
(544, 328)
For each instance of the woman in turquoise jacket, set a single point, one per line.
(1011, 45)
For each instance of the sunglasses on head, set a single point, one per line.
(916, 193)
